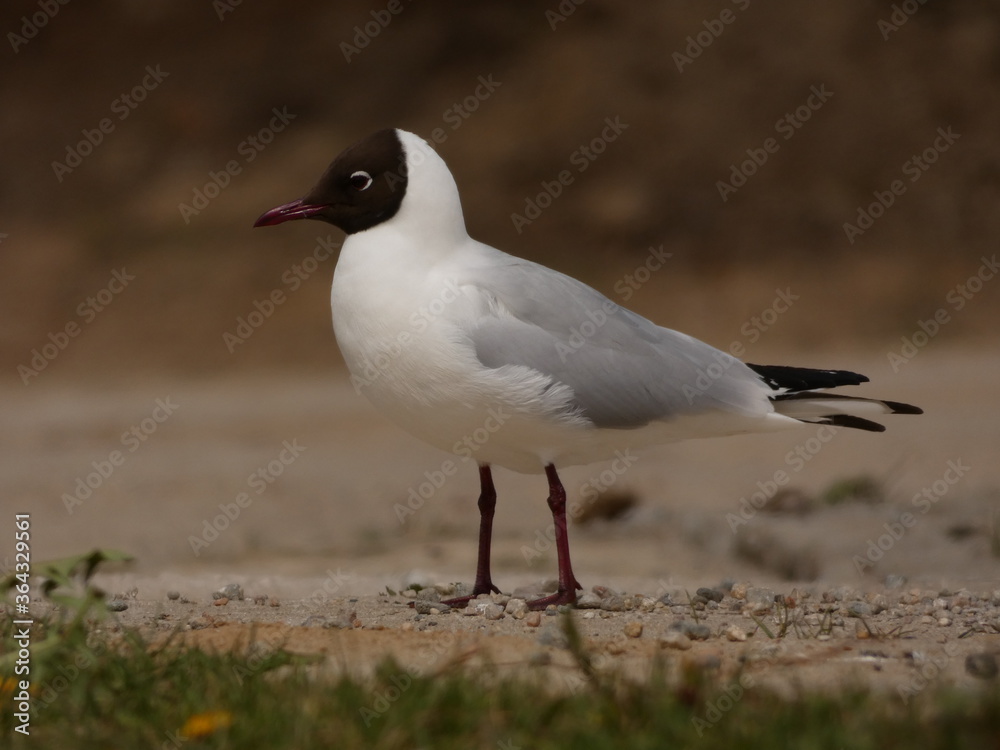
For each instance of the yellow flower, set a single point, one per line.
(7, 686)
(202, 725)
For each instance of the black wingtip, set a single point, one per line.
(849, 420)
(900, 408)
(805, 378)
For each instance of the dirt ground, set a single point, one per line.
(297, 490)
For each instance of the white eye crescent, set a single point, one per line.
(361, 180)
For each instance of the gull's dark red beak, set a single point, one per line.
(288, 212)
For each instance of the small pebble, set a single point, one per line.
(613, 603)
(696, 631)
(615, 648)
(429, 595)
(759, 600)
(229, 591)
(493, 612)
(675, 640)
(859, 609)
(273, 603)
(222, 601)
(633, 629)
(516, 608)
(711, 595)
(735, 633)
(533, 619)
(173, 595)
(739, 590)
(588, 600)
(117, 605)
(425, 607)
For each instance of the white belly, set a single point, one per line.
(393, 323)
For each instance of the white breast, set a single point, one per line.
(401, 328)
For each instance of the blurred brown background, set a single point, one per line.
(212, 74)
(655, 184)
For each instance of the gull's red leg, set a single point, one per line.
(487, 504)
(567, 581)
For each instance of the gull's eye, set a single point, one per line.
(361, 180)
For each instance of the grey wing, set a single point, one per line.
(625, 371)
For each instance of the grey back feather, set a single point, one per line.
(625, 371)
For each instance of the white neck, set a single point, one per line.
(432, 209)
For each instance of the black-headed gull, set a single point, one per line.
(481, 353)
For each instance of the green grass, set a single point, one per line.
(116, 691)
